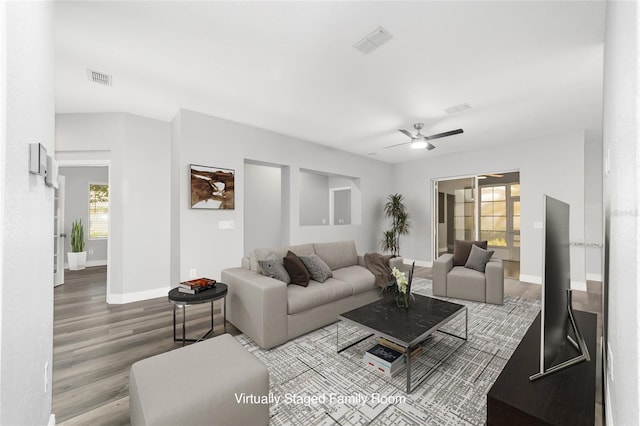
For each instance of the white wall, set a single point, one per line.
(209, 249)
(314, 199)
(138, 149)
(262, 206)
(621, 201)
(76, 206)
(593, 203)
(553, 165)
(26, 216)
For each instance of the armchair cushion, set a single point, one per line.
(462, 248)
(478, 258)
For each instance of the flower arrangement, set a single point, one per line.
(400, 288)
(401, 280)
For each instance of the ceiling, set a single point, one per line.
(528, 69)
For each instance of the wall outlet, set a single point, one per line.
(193, 273)
(538, 225)
(90, 251)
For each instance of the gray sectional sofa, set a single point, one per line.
(271, 312)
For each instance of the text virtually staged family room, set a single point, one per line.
(320, 213)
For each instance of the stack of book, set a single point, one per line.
(417, 350)
(196, 286)
(383, 359)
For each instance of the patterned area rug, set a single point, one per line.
(311, 384)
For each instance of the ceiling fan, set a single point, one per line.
(419, 141)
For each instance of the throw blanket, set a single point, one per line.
(378, 264)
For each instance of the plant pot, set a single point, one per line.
(77, 261)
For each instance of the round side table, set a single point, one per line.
(177, 298)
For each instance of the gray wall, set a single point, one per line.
(209, 249)
(138, 151)
(314, 199)
(263, 207)
(76, 206)
(621, 140)
(543, 164)
(26, 213)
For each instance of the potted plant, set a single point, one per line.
(395, 210)
(77, 256)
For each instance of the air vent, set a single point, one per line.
(457, 108)
(374, 40)
(99, 77)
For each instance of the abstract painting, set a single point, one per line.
(212, 188)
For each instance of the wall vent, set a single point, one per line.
(457, 108)
(374, 40)
(99, 77)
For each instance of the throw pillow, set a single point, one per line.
(274, 268)
(296, 269)
(317, 268)
(478, 258)
(462, 248)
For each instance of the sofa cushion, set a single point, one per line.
(316, 294)
(478, 258)
(467, 284)
(338, 254)
(280, 252)
(318, 269)
(274, 268)
(462, 248)
(296, 269)
(361, 279)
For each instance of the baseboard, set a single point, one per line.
(594, 277)
(52, 420)
(422, 263)
(90, 263)
(119, 299)
(532, 279)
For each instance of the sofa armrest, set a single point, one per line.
(441, 267)
(494, 278)
(257, 306)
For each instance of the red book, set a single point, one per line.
(197, 285)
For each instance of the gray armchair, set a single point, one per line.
(464, 283)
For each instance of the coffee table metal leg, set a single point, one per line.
(408, 356)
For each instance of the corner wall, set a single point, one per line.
(26, 215)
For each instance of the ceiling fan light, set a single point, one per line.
(419, 144)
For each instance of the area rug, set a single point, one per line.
(311, 384)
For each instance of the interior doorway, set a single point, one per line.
(480, 207)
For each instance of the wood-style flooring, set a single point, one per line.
(95, 344)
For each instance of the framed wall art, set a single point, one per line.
(212, 188)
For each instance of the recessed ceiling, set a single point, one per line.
(528, 69)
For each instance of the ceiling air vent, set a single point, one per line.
(457, 108)
(374, 40)
(99, 77)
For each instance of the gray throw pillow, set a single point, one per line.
(273, 267)
(317, 268)
(478, 258)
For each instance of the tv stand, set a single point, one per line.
(565, 397)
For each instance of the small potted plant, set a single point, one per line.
(77, 256)
(395, 210)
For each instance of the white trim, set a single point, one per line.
(52, 420)
(578, 285)
(608, 413)
(83, 163)
(137, 296)
(532, 279)
(90, 263)
(594, 277)
(422, 263)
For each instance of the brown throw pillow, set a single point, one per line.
(296, 269)
(462, 248)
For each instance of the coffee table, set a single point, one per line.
(407, 328)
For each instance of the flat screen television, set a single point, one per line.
(556, 316)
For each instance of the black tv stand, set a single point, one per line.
(566, 397)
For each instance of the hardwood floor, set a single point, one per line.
(95, 344)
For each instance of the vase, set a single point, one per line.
(405, 300)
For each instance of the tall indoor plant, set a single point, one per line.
(395, 210)
(77, 256)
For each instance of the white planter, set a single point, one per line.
(77, 261)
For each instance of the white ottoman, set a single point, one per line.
(198, 385)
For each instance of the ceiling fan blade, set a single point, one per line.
(398, 144)
(429, 146)
(445, 134)
(406, 133)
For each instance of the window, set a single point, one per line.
(493, 215)
(98, 210)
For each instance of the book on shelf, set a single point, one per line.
(384, 356)
(387, 371)
(417, 350)
(196, 286)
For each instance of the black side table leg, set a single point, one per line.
(224, 301)
(174, 323)
(184, 327)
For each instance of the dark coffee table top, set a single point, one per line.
(409, 327)
(178, 297)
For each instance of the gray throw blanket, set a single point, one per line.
(378, 264)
